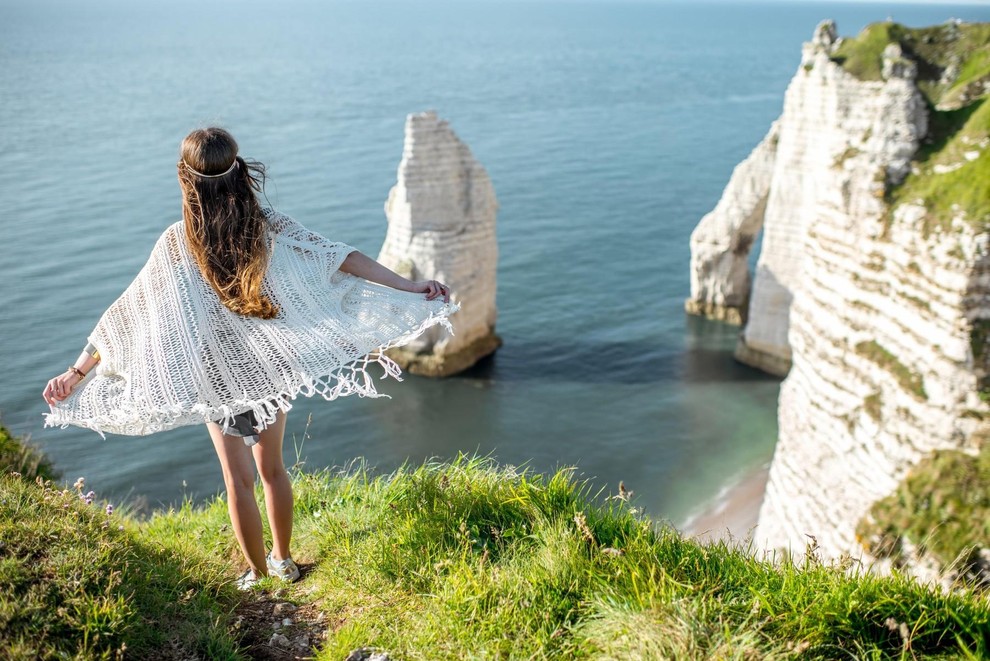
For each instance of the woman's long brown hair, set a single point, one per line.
(225, 227)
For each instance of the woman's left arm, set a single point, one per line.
(359, 264)
(61, 386)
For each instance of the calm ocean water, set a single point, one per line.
(608, 130)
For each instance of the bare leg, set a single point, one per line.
(238, 476)
(278, 489)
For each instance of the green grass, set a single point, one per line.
(456, 560)
(76, 582)
(934, 49)
(943, 507)
(976, 68)
(21, 457)
(910, 381)
(472, 560)
(970, 49)
(964, 191)
(862, 55)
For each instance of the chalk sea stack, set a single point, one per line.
(441, 225)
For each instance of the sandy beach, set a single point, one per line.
(733, 513)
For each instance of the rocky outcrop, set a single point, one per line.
(441, 225)
(834, 130)
(876, 313)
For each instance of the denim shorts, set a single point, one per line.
(244, 426)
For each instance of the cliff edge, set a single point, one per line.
(455, 560)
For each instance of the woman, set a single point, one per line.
(238, 310)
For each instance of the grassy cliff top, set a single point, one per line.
(952, 167)
(953, 58)
(445, 561)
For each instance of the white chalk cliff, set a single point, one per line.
(876, 315)
(441, 225)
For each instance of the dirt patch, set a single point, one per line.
(275, 626)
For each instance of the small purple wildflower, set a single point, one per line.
(109, 509)
(89, 497)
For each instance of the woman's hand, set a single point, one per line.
(432, 289)
(60, 387)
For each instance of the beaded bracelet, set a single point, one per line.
(78, 372)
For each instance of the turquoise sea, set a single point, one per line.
(608, 129)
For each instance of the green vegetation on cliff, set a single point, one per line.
(953, 58)
(447, 561)
(951, 173)
(942, 508)
(951, 170)
(862, 55)
(908, 380)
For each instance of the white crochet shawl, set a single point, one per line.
(172, 354)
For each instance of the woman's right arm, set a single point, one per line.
(359, 264)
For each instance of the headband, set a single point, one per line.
(211, 176)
